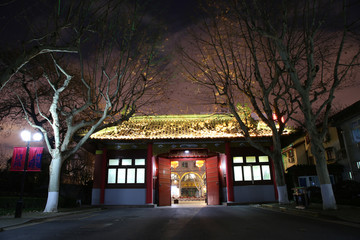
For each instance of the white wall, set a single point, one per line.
(95, 196)
(125, 196)
(254, 193)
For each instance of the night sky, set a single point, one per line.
(175, 15)
(182, 96)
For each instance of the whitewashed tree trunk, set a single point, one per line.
(280, 175)
(327, 193)
(283, 194)
(54, 183)
(328, 197)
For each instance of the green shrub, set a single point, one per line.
(8, 204)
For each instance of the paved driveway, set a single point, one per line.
(218, 222)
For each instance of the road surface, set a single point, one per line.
(185, 223)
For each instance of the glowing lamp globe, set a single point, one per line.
(25, 135)
(37, 137)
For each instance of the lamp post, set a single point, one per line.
(25, 136)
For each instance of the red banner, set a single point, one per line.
(34, 160)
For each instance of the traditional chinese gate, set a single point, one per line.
(212, 178)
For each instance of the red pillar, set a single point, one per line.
(99, 175)
(229, 174)
(149, 174)
(98, 169)
(103, 177)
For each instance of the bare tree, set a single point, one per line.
(41, 28)
(314, 41)
(78, 169)
(241, 69)
(115, 71)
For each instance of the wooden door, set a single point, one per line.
(164, 182)
(212, 181)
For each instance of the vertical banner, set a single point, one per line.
(18, 159)
(34, 161)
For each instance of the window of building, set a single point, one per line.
(184, 164)
(126, 171)
(290, 156)
(238, 159)
(330, 153)
(251, 169)
(358, 165)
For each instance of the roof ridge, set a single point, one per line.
(181, 117)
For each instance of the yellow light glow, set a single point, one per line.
(199, 163)
(174, 164)
(181, 127)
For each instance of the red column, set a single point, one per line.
(149, 174)
(229, 174)
(103, 177)
(98, 169)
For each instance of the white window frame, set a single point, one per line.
(134, 171)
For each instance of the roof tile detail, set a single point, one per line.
(178, 127)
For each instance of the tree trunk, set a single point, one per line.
(280, 177)
(54, 183)
(327, 193)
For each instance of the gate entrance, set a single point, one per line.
(189, 179)
(188, 182)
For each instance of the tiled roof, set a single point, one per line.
(177, 127)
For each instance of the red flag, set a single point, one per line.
(34, 160)
(34, 163)
(18, 159)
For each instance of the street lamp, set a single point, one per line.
(25, 136)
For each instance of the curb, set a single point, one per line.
(290, 210)
(309, 213)
(55, 215)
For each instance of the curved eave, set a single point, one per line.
(174, 137)
(182, 127)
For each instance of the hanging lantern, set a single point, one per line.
(282, 119)
(174, 164)
(199, 163)
(274, 116)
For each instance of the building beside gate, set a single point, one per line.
(342, 151)
(137, 163)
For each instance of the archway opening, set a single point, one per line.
(188, 176)
(188, 181)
